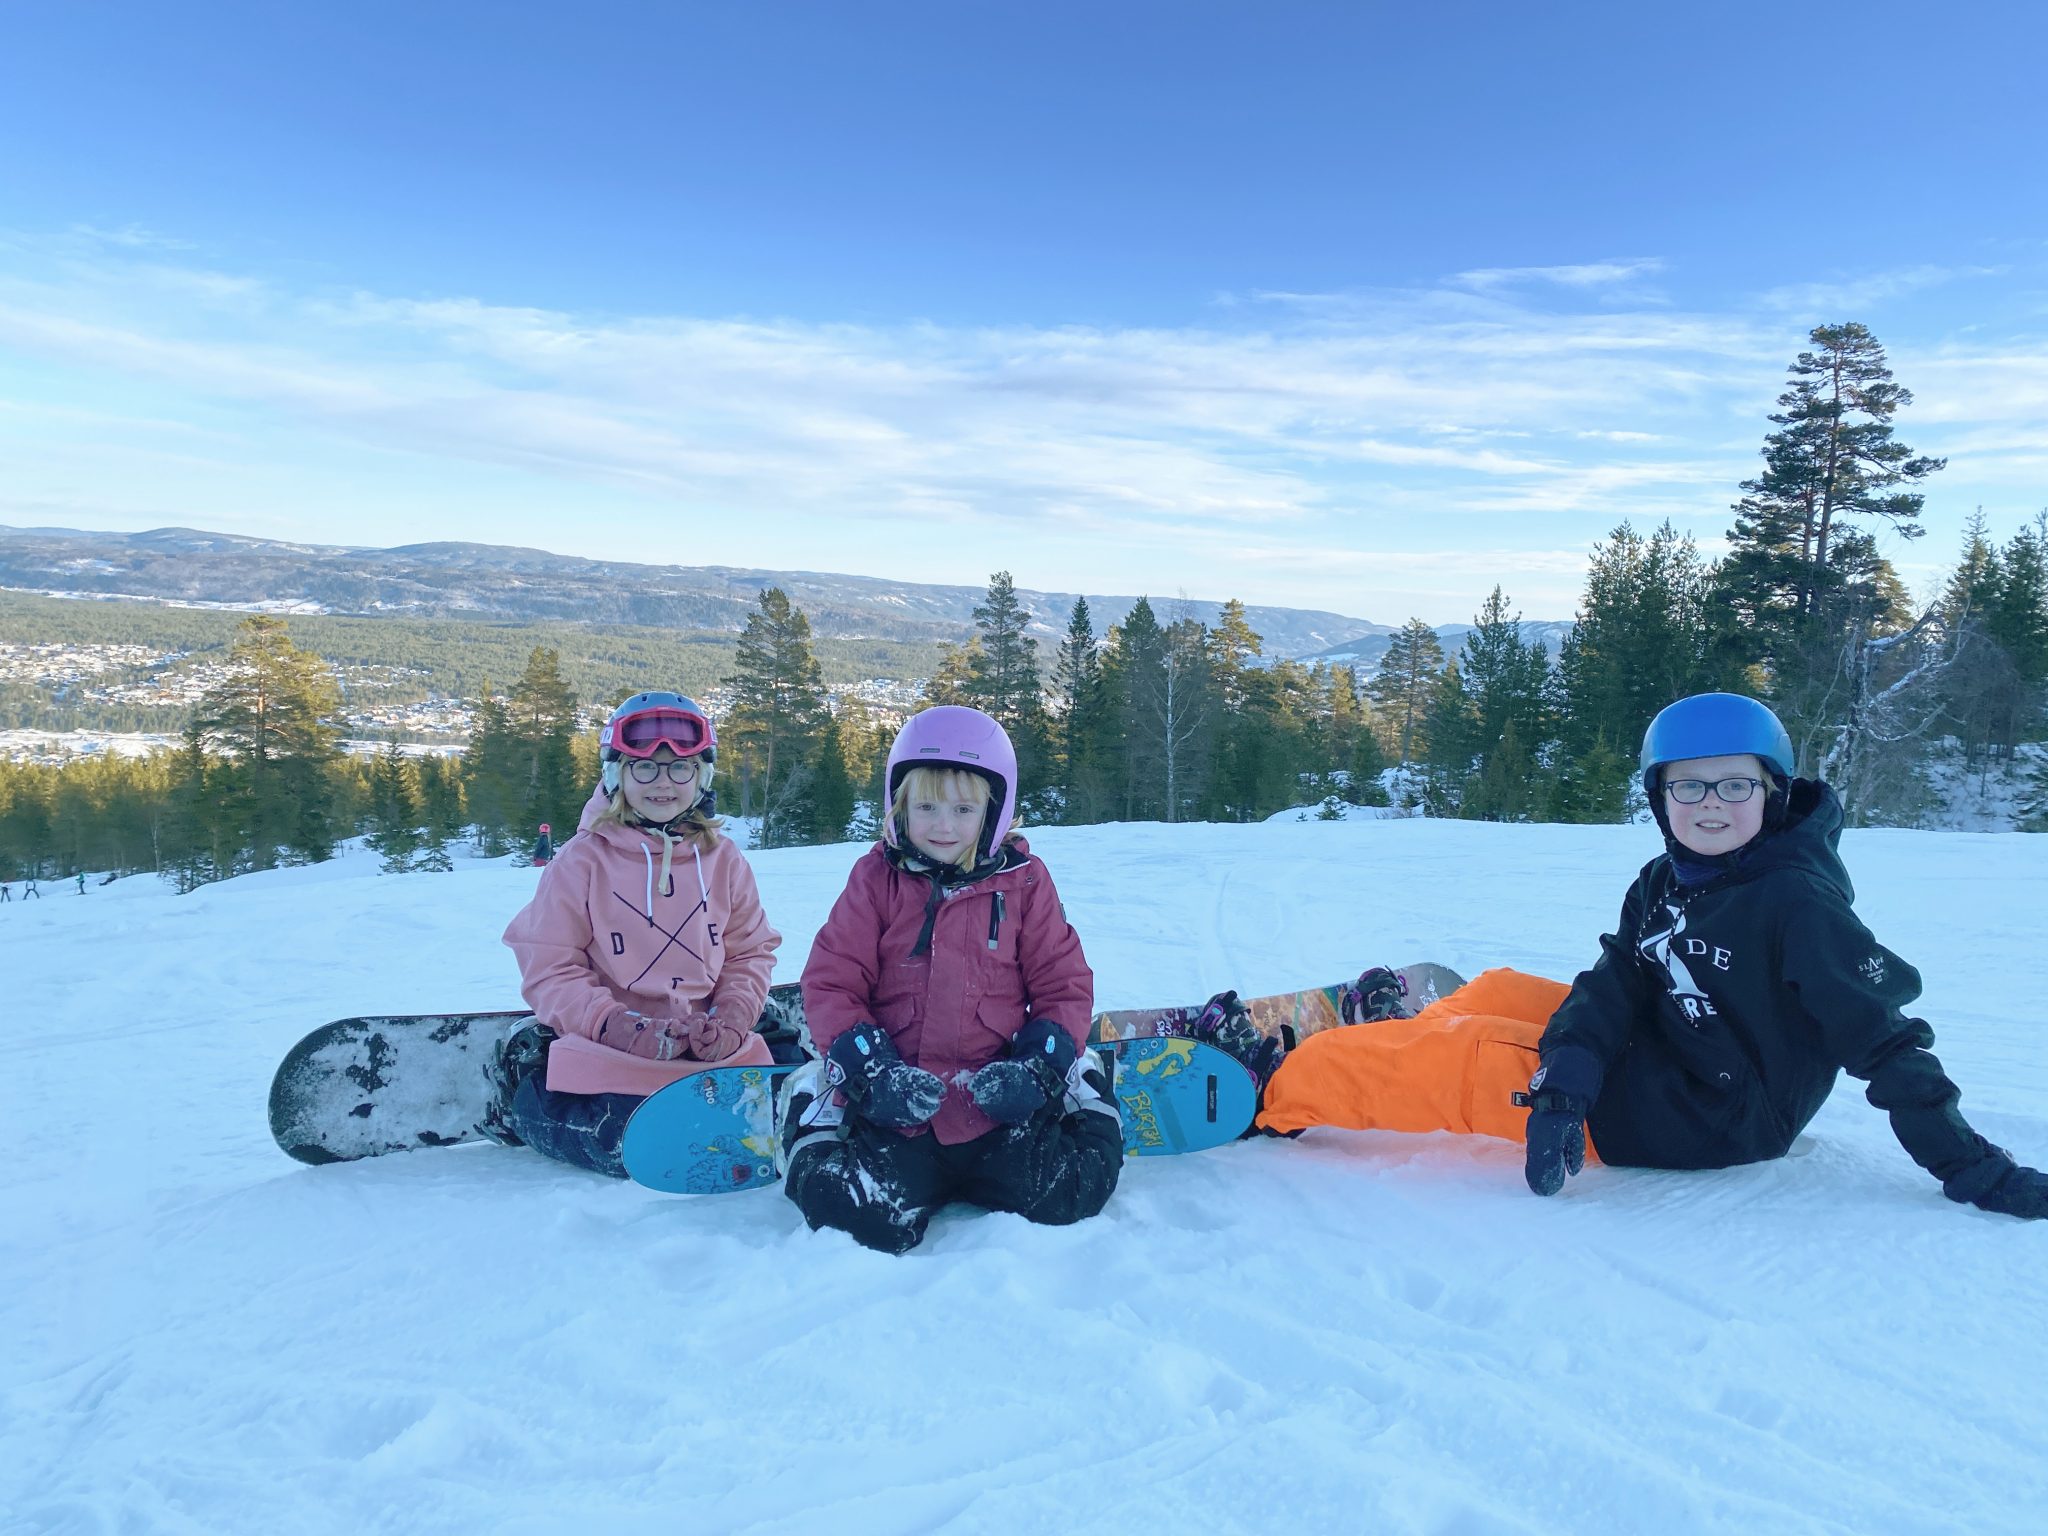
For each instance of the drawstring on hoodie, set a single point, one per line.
(668, 845)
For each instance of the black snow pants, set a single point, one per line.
(881, 1187)
(584, 1130)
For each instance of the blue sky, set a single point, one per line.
(1359, 307)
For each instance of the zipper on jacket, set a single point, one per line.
(931, 914)
(995, 921)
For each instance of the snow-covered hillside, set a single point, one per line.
(1345, 1333)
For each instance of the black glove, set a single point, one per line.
(1996, 1183)
(1034, 1074)
(879, 1084)
(1560, 1097)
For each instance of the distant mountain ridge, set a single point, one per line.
(502, 582)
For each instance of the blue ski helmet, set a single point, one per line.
(657, 719)
(1715, 725)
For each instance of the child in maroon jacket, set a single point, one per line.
(952, 1003)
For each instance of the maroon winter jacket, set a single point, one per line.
(1001, 954)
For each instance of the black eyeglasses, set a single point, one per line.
(645, 770)
(1727, 791)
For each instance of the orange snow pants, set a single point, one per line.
(1455, 1066)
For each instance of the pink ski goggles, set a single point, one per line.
(638, 734)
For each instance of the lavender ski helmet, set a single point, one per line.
(657, 719)
(954, 736)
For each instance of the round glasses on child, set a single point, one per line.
(646, 770)
(1727, 791)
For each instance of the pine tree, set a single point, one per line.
(1804, 591)
(1133, 672)
(1643, 636)
(1832, 458)
(1404, 687)
(1356, 741)
(1235, 649)
(832, 786)
(952, 680)
(395, 814)
(1184, 706)
(491, 778)
(778, 715)
(1003, 680)
(864, 743)
(1241, 735)
(1451, 730)
(543, 715)
(1078, 708)
(197, 844)
(27, 828)
(2019, 613)
(1981, 696)
(1973, 587)
(271, 717)
(441, 807)
(1505, 680)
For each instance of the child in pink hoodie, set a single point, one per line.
(952, 1003)
(644, 951)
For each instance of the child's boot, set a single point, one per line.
(512, 1061)
(807, 1119)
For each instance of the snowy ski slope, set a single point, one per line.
(1346, 1333)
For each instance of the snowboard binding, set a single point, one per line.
(1375, 996)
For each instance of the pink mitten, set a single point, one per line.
(640, 1034)
(707, 1037)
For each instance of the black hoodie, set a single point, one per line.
(1722, 1011)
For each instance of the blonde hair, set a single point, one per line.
(692, 826)
(947, 785)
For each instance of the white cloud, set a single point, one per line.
(1593, 274)
(1416, 419)
(1836, 299)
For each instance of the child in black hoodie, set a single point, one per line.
(1735, 988)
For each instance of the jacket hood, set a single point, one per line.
(1807, 839)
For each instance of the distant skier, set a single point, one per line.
(953, 1004)
(28, 889)
(6, 893)
(1735, 988)
(544, 847)
(644, 949)
(81, 882)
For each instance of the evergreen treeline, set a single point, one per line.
(1165, 718)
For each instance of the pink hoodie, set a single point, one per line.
(627, 916)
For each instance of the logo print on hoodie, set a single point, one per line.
(1661, 948)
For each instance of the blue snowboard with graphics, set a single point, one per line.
(714, 1132)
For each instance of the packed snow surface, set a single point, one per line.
(1349, 1332)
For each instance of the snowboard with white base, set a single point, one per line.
(387, 1083)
